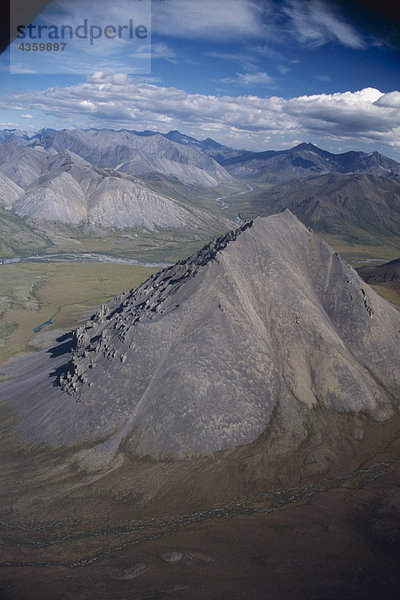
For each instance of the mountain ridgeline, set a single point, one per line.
(362, 206)
(50, 179)
(304, 160)
(148, 181)
(260, 333)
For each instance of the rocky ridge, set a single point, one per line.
(266, 327)
(72, 191)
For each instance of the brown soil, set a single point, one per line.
(233, 524)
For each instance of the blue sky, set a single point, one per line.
(255, 74)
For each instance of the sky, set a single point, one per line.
(251, 74)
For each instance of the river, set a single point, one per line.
(81, 257)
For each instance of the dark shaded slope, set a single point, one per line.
(302, 161)
(364, 208)
(385, 273)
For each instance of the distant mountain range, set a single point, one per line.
(45, 181)
(304, 160)
(361, 206)
(136, 154)
(149, 151)
(128, 179)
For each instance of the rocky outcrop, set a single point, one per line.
(263, 331)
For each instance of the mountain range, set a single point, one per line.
(361, 206)
(46, 185)
(151, 181)
(302, 161)
(136, 154)
(108, 148)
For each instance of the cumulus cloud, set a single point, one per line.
(117, 101)
(390, 100)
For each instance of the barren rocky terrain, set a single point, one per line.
(227, 429)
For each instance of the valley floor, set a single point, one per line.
(38, 297)
(328, 539)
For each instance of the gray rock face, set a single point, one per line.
(70, 190)
(205, 354)
(11, 135)
(22, 164)
(58, 198)
(138, 154)
(183, 170)
(9, 192)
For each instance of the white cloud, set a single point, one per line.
(114, 79)
(246, 60)
(221, 20)
(390, 100)
(161, 50)
(323, 77)
(116, 101)
(316, 23)
(257, 78)
(310, 22)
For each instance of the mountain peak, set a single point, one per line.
(267, 320)
(181, 138)
(307, 146)
(210, 143)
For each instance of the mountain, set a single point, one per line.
(362, 207)
(303, 161)
(137, 154)
(9, 192)
(385, 273)
(181, 138)
(20, 163)
(280, 166)
(126, 179)
(263, 332)
(186, 164)
(14, 135)
(72, 191)
(205, 163)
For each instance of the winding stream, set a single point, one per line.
(33, 535)
(81, 257)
